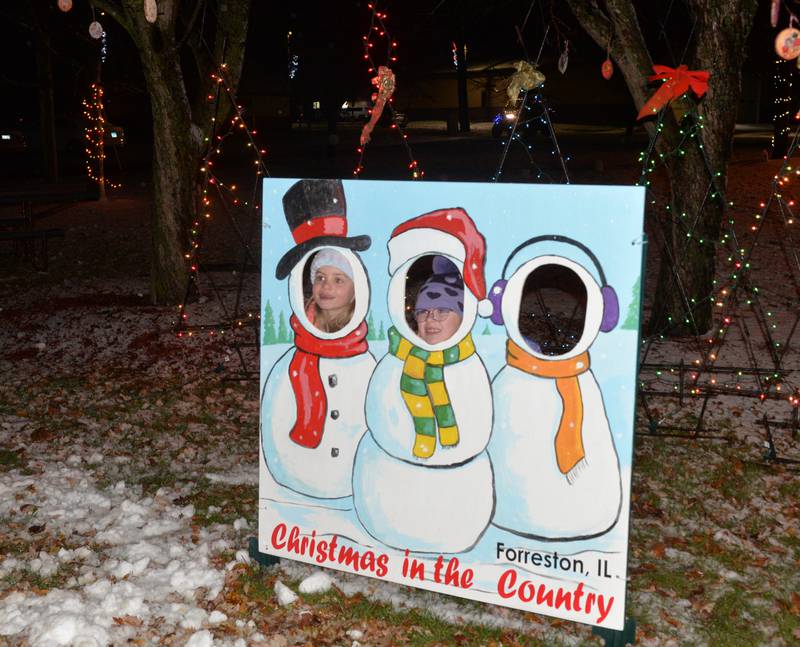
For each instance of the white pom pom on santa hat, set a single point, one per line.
(450, 232)
(485, 308)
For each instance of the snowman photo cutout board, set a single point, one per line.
(448, 380)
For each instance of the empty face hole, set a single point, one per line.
(434, 299)
(328, 290)
(552, 310)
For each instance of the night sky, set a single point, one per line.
(327, 39)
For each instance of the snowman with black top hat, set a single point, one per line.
(312, 405)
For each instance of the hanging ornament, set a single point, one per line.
(150, 11)
(385, 85)
(676, 82)
(774, 12)
(787, 43)
(96, 30)
(65, 5)
(563, 60)
(607, 69)
(527, 77)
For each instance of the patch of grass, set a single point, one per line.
(674, 581)
(420, 627)
(233, 501)
(161, 477)
(413, 627)
(26, 578)
(731, 623)
(11, 460)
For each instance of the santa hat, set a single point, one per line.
(445, 231)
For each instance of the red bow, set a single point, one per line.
(676, 83)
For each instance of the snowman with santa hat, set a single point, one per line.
(312, 405)
(422, 479)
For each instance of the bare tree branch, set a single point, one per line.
(113, 9)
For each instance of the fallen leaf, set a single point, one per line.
(131, 621)
(795, 608)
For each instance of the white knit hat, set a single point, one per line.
(332, 258)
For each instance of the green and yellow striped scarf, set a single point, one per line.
(425, 392)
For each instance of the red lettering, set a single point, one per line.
(544, 596)
(278, 535)
(526, 591)
(437, 571)
(322, 548)
(505, 585)
(332, 549)
(349, 557)
(564, 598)
(294, 540)
(368, 561)
(466, 579)
(383, 565)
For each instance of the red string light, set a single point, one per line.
(378, 26)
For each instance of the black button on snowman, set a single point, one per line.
(313, 399)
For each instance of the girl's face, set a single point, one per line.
(332, 289)
(435, 331)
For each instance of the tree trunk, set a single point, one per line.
(180, 124)
(44, 69)
(461, 76)
(174, 184)
(721, 29)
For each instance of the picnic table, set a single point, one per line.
(29, 241)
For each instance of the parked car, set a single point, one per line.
(12, 141)
(354, 111)
(504, 122)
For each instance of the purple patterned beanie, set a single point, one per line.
(444, 289)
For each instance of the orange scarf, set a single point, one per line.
(569, 440)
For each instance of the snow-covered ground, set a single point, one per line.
(129, 465)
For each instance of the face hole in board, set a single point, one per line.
(552, 310)
(328, 290)
(434, 298)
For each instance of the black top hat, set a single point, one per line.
(316, 212)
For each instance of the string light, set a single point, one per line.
(378, 30)
(226, 193)
(724, 298)
(520, 131)
(95, 133)
(782, 102)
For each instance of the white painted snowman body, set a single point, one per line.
(534, 498)
(444, 503)
(325, 471)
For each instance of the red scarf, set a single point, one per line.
(309, 392)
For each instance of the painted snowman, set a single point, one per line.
(422, 479)
(312, 406)
(560, 476)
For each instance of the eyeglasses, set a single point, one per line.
(437, 314)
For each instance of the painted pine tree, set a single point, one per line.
(381, 333)
(486, 330)
(268, 326)
(371, 336)
(632, 320)
(284, 336)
